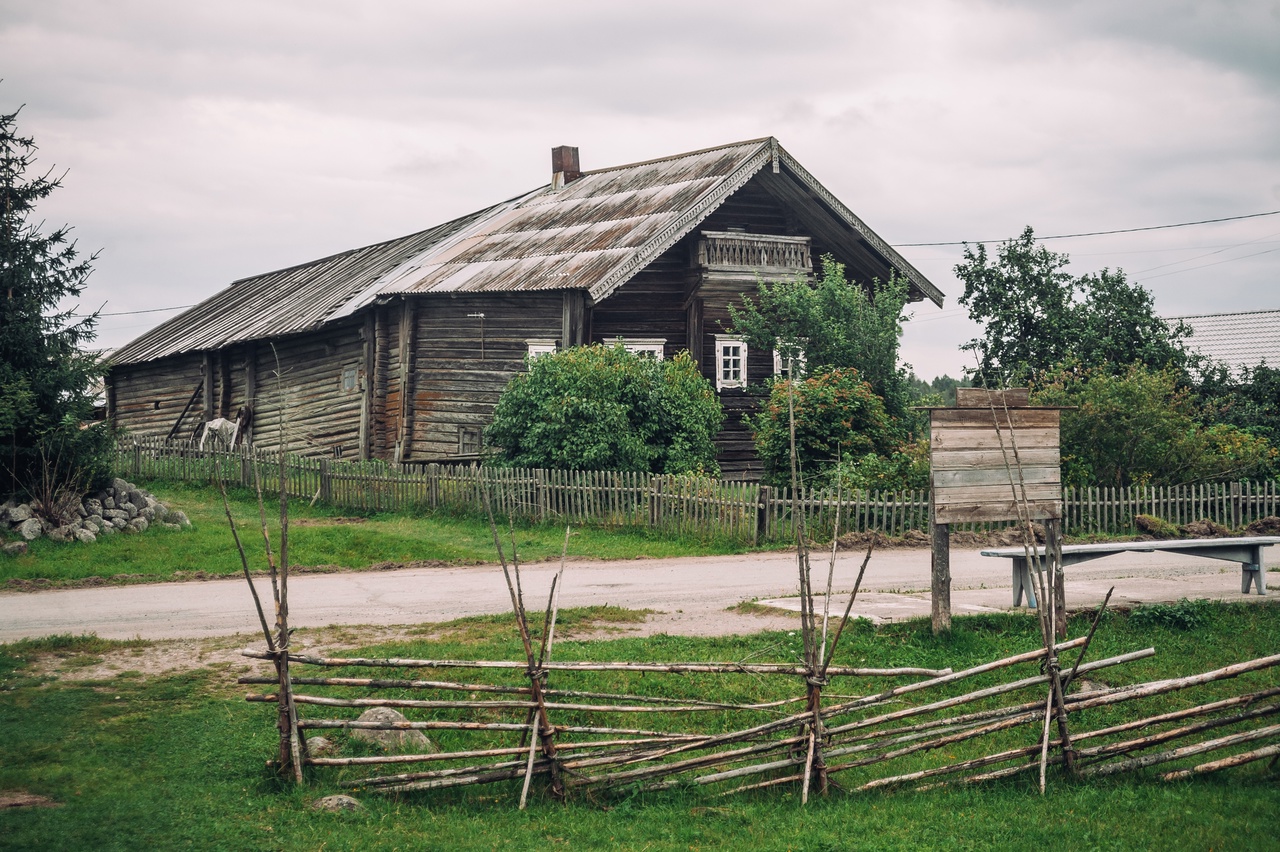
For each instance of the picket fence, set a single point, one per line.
(684, 504)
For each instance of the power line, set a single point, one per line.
(1102, 233)
(148, 311)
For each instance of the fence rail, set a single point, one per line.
(703, 506)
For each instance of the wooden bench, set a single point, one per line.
(1246, 551)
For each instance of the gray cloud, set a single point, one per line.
(210, 142)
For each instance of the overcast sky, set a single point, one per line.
(207, 142)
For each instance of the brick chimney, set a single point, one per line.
(564, 166)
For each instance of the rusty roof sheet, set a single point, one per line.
(592, 234)
(283, 302)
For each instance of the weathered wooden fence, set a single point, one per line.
(682, 504)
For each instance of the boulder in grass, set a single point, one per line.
(85, 536)
(138, 524)
(402, 740)
(321, 747)
(30, 529)
(334, 804)
(179, 518)
(16, 548)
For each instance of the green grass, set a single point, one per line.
(318, 537)
(178, 762)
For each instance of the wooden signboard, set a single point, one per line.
(994, 458)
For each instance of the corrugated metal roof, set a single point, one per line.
(592, 234)
(283, 302)
(1244, 339)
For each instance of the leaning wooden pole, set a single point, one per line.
(544, 728)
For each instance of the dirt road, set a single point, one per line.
(690, 595)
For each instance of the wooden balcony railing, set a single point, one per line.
(753, 251)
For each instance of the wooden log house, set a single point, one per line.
(399, 350)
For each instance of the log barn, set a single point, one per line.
(399, 350)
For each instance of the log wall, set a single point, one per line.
(149, 398)
(301, 379)
(462, 363)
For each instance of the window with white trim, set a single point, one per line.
(731, 362)
(651, 346)
(781, 368)
(540, 346)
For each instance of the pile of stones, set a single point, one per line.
(120, 507)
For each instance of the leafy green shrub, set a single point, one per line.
(1139, 427)
(604, 408)
(837, 416)
(907, 468)
(1183, 615)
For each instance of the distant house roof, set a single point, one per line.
(1244, 339)
(591, 234)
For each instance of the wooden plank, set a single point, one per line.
(985, 397)
(1004, 491)
(959, 513)
(993, 459)
(969, 418)
(996, 476)
(989, 439)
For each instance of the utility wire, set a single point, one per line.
(1102, 233)
(148, 311)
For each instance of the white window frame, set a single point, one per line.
(540, 346)
(780, 367)
(724, 363)
(644, 345)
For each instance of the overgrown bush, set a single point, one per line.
(1183, 615)
(837, 417)
(905, 469)
(1138, 426)
(604, 408)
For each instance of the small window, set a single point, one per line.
(540, 346)
(349, 379)
(470, 440)
(782, 370)
(731, 362)
(651, 346)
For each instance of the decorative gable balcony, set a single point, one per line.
(735, 251)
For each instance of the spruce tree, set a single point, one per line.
(46, 376)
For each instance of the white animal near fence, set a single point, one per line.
(222, 429)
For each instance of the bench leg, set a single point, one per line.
(1022, 582)
(1253, 575)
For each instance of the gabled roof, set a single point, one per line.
(1244, 339)
(592, 234)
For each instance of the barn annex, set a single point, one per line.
(399, 351)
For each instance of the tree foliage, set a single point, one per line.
(837, 416)
(603, 408)
(1140, 427)
(1248, 398)
(833, 323)
(1036, 316)
(45, 374)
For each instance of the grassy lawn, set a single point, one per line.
(318, 536)
(178, 761)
